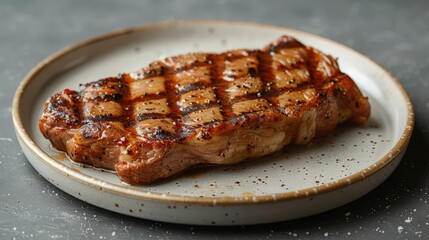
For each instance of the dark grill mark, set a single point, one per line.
(191, 109)
(217, 80)
(252, 72)
(164, 135)
(142, 117)
(171, 95)
(107, 98)
(146, 97)
(191, 87)
(267, 76)
(104, 118)
(124, 92)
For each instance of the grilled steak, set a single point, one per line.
(203, 108)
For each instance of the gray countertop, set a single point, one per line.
(392, 33)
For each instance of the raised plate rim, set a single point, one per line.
(25, 138)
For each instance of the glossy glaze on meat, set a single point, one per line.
(203, 108)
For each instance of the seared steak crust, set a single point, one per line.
(203, 108)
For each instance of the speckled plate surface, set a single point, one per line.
(301, 181)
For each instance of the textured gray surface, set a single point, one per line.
(393, 33)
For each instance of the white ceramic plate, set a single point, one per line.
(301, 181)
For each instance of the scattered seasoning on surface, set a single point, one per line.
(408, 220)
